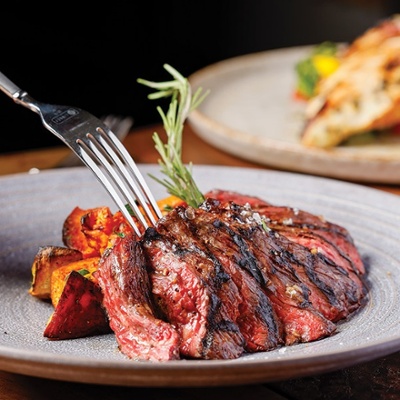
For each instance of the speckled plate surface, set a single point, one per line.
(32, 211)
(251, 113)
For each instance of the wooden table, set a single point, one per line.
(378, 379)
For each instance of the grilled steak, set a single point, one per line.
(188, 288)
(310, 230)
(250, 306)
(235, 275)
(334, 234)
(331, 245)
(125, 284)
(289, 291)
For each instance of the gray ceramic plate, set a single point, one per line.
(32, 211)
(251, 113)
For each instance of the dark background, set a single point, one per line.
(90, 55)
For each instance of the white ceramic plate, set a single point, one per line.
(251, 113)
(32, 211)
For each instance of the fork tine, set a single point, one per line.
(104, 147)
(90, 159)
(120, 153)
(119, 125)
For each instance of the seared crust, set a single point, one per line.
(363, 94)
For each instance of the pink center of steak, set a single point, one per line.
(123, 278)
(191, 302)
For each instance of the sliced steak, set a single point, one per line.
(288, 295)
(236, 274)
(225, 196)
(305, 307)
(334, 234)
(188, 288)
(123, 278)
(333, 291)
(251, 307)
(280, 218)
(325, 249)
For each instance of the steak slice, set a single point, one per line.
(319, 272)
(224, 196)
(123, 278)
(325, 249)
(188, 287)
(334, 234)
(251, 307)
(280, 218)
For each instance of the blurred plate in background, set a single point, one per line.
(251, 113)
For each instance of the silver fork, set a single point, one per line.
(99, 149)
(119, 125)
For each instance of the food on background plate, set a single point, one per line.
(323, 60)
(221, 274)
(361, 96)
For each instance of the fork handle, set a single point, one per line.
(17, 94)
(9, 88)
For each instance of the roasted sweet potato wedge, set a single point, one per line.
(84, 267)
(79, 311)
(168, 203)
(72, 234)
(47, 260)
(88, 230)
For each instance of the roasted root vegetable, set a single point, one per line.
(169, 203)
(59, 278)
(47, 260)
(88, 230)
(79, 311)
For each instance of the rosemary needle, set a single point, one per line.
(179, 181)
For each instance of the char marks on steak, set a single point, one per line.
(330, 233)
(196, 296)
(241, 287)
(330, 243)
(123, 278)
(290, 292)
(313, 231)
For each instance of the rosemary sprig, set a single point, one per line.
(179, 181)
